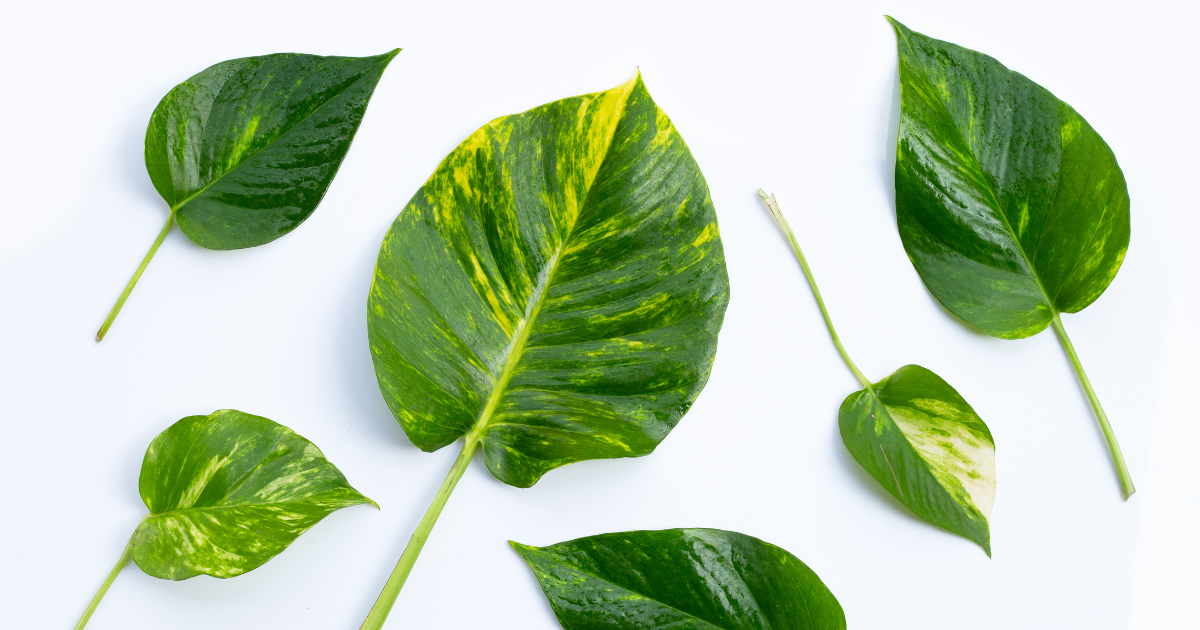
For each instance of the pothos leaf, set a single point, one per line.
(918, 438)
(915, 435)
(226, 493)
(1010, 206)
(244, 151)
(554, 290)
(552, 293)
(705, 579)
(229, 491)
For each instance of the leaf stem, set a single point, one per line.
(1127, 488)
(383, 605)
(773, 206)
(112, 575)
(112, 315)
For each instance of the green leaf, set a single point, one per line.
(918, 438)
(915, 435)
(244, 151)
(556, 287)
(701, 579)
(1010, 206)
(229, 491)
(552, 293)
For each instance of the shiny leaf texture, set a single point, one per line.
(554, 290)
(918, 438)
(1010, 206)
(681, 579)
(243, 151)
(228, 492)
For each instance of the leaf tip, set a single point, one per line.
(762, 194)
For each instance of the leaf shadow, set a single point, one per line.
(887, 164)
(354, 367)
(962, 324)
(131, 163)
(868, 482)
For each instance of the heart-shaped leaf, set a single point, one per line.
(244, 151)
(706, 579)
(915, 435)
(226, 493)
(918, 438)
(552, 293)
(1010, 206)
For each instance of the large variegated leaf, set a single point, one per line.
(555, 289)
(918, 438)
(229, 491)
(1010, 206)
(244, 151)
(698, 579)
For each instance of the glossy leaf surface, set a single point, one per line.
(1010, 206)
(555, 288)
(243, 151)
(229, 491)
(681, 579)
(918, 438)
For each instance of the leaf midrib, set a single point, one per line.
(211, 508)
(176, 207)
(538, 297)
(994, 198)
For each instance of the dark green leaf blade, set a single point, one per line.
(699, 579)
(1010, 206)
(244, 151)
(921, 440)
(556, 287)
(228, 492)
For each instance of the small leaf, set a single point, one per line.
(918, 438)
(1010, 206)
(229, 491)
(244, 151)
(705, 579)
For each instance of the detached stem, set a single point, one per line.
(112, 575)
(773, 206)
(112, 315)
(1127, 488)
(391, 590)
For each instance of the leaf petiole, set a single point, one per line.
(1127, 488)
(773, 206)
(387, 597)
(112, 575)
(112, 315)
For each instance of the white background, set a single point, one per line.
(801, 99)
